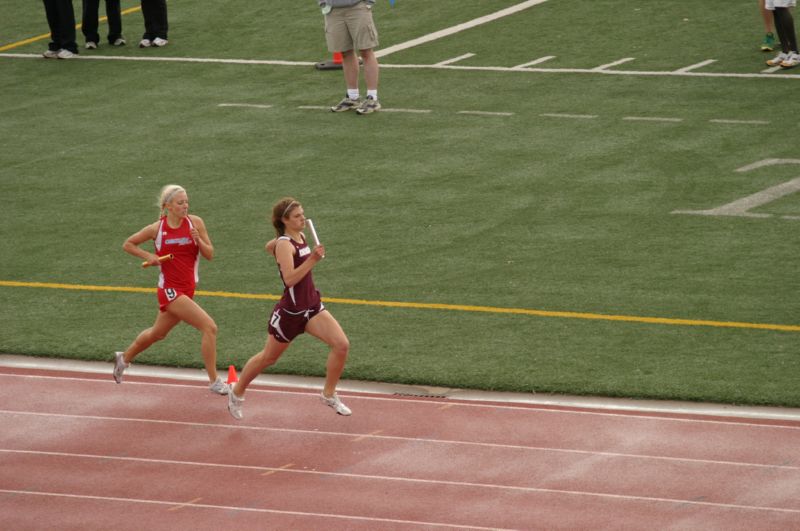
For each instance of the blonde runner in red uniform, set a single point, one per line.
(299, 310)
(184, 236)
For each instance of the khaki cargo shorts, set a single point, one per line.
(351, 28)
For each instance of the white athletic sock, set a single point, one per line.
(353, 94)
(373, 93)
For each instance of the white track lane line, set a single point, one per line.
(472, 403)
(309, 433)
(414, 523)
(624, 497)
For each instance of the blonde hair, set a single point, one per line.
(167, 193)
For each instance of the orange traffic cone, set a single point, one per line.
(232, 378)
(335, 63)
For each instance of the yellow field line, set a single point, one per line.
(431, 306)
(47, 35)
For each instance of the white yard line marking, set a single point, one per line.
(771, 69)
(638, 412)
(765, 163)
(651, 119)
(575, 116)
(384, 109)
(742, 207)
(615, 63)
(414, 523)
(490, 113)
(669, 73)
(743, 122)
(458, 28)
(540, 60)
(455, 59)
(319, 433)
(246, 105)
(84, 57)
(696, 66)
(413, 111)
(487, 113)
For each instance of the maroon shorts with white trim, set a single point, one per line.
(167, 295)
(285, 325)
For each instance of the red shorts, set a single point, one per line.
(167, 295)
(285, 325)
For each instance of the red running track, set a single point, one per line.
(78, 451)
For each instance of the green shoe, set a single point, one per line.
(768, 44)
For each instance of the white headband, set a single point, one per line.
(287, 208)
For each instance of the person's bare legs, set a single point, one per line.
(325, 327)
(769, 23)
(350, 67)
(267, 357)
(185, 309)
(163, 324)
(371, 69)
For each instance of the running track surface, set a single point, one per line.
(78, 451)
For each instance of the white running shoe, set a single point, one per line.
(219, 387)
(791, 61)
(119, 42)
(90, 45)
(63, 53)
(119, 366)
(336, 404)
(778, 59)
(50, 54)
(159, 42)
(235, 405)
(145, 43)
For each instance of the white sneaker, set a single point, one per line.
(791, 61)
(336, 404)
(91, 45)
(145, 43)
(235, 405)
(50, 54)
(65, 54)
(219, 387)
(119, 42)
(119, 366)
(159, 42)
(778, 59)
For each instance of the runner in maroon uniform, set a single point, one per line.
(299, 310)
(184, 236)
